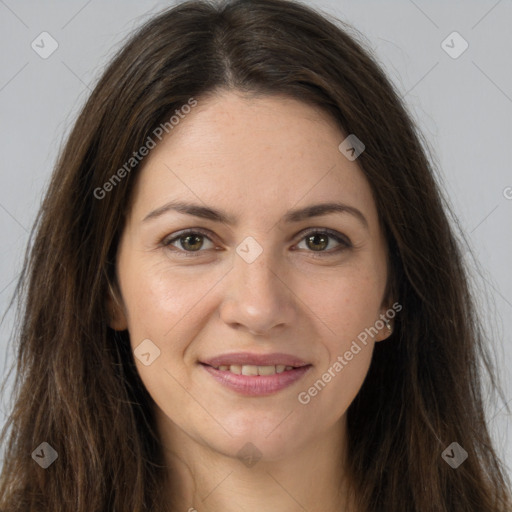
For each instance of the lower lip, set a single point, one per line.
(257, 385)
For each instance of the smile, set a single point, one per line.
(248, 369)
(252, 380)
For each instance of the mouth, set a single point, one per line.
(256, 375)
(253, 370)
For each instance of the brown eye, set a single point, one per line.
(319, 240)
(189, 242)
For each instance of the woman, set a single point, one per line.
(244, 290)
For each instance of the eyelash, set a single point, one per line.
(344, 241)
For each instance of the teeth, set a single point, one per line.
(266, 370)
(249, 369)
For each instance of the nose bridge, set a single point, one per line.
(257, 299)
(256, 272)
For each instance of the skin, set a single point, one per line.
(254, 158)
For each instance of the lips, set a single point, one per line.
(248, 359)
(248, 369)
(256, 374)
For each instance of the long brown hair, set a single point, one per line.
(76, 384)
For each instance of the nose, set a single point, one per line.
(258, 299)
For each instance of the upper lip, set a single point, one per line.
(246, 358)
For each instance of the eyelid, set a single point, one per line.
(168, 240)
(339, 237)
(343, 241)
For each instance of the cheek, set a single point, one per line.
(163, 302)
(164, 307)
(346, 303)
(336, 385)
(348, 308)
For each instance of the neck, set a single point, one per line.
(308, 477)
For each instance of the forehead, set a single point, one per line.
(256, 154)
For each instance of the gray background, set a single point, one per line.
(463, 106)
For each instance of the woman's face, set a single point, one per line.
(255, 291)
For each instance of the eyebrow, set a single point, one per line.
(291, 216)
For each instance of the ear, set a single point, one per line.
(115, 311)
(384, 324)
